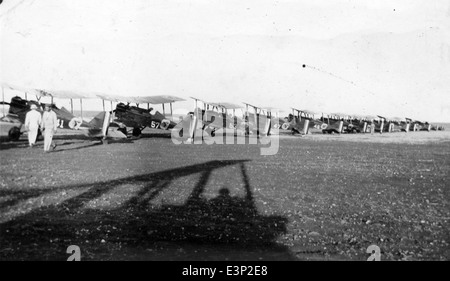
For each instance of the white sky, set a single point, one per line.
(395, 53)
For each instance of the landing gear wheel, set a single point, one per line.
(136, 132)
(14, 134)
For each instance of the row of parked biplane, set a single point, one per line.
(210, 117)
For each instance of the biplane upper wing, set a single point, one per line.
(158, 99)
(397, 119)
(113, 98)
(161, 99)
(309, 112)
(254, 106)
(370, 117)
(305, 111)
(65, 94)
(225, 105)
(339, 114)
(270, 108)
(20, 89)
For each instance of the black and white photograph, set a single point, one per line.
(225, 131)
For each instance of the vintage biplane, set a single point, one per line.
(303, 122)
(381, 124)
(137, 118)
(336, 123)
(357, 123)
(98, 127)
(257, 122)
(212, 116)
(414, 125)
(397, 124)
(437, 128)
(394, 124)
(421, 125)
(208, 119)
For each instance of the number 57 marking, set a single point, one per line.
(155, 125)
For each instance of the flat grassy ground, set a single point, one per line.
(321, 197)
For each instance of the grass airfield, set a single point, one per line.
(321, 197)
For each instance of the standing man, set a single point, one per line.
(33, 120)
(49, 125)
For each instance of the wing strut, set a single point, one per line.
(3, 99)
(81, 104)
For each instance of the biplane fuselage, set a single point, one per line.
(397, 126)
(334, 125)
(140, 118)
(296, 124)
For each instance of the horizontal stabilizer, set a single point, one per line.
(116, 134)
(98, 133)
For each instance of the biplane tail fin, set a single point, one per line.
(98, 121)
(99, 126)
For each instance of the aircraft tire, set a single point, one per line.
(14, 134)
(136, 132)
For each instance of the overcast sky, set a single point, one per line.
(373, 57)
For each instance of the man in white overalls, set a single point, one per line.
(49, 125)
(33, 120)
